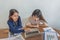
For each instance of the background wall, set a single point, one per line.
(49, 8)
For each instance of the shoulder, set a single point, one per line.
(9, 21)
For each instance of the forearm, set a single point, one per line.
(32, 25)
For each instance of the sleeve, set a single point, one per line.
(19, 22)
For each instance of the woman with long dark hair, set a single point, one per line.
(14, 22)
(36, 19)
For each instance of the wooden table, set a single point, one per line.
(4, 33)
(39, 37)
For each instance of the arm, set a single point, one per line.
(20, 24)
(32, 26)
(43, 23)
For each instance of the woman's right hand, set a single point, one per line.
(27, 29)
(37, 26)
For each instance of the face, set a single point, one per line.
(35, 18)
(15, 16)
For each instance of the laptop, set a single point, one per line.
(32, 32)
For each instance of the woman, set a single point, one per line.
(36, 19)
(14, 22)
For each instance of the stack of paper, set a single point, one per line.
(50, 29)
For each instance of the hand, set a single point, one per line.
(27, 29)
(37, 26)
(21, 28)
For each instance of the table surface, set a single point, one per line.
(39, 37)
(4, 33)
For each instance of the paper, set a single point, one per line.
(50, 36)
(50, 29)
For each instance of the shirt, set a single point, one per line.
(15, 26)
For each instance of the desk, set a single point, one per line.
(4, 33)
(39, 37)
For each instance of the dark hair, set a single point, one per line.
(11, 12)
(38, 13)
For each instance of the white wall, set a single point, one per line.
(49, 8)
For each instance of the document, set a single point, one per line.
(50, 29)
(50, 36)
